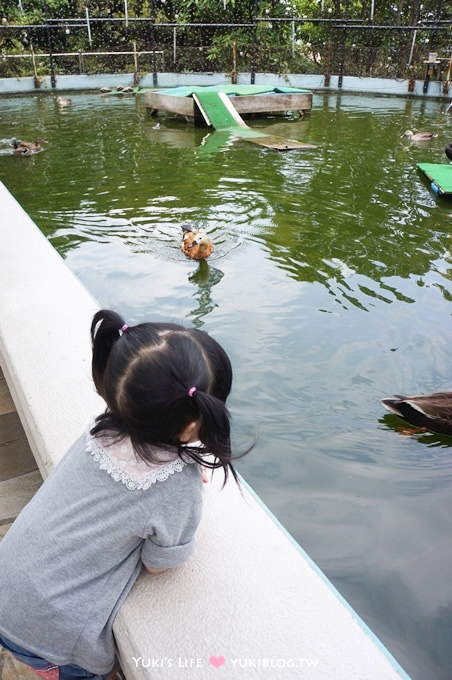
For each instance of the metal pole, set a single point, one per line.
(413, 42)
(431, 70)
(49, 42)
(253, 58)
(372, 10)
(154, 64)
(126, 12)
(293, 39)
(88, 27)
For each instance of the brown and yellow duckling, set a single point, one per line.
(195, 244)
(22, 148)
(426, 411)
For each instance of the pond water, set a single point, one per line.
(330, 287)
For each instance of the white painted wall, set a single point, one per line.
(164, 80)
(249, 603)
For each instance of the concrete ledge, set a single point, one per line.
(316, 82)
(44, 337)
(249, 603)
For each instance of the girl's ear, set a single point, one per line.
(190, 433)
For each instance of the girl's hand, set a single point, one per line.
(205, 478)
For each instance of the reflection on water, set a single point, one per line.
(204, 278)
(330, 286)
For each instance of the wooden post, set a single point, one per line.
(135, 63)
(411, 81)
(36, 81)
(234, 64)
(413, 57)
(446, 81)
(328, 64)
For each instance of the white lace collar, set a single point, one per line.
(120, 462)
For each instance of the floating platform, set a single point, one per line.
(439, 176)
(221, 106)
(245, 99)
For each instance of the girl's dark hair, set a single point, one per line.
(145, 373)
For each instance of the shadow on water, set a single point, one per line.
(330, 287)
(404, 429)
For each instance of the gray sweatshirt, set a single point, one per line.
(74, 552)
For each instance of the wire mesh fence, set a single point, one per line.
(106, 44)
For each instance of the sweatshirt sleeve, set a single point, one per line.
(170, 533)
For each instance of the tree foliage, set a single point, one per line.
(350, 36)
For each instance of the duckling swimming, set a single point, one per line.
(428, 411)
(419, 136)
(195, 244)
(64, 101)
(22, 148)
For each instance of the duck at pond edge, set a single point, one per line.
(64, 101)
(428, 411)
(22, 148)
(419, 136)
(448, 151)
(195, 244)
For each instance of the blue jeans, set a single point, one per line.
(43, 667)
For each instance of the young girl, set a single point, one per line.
(126, 494)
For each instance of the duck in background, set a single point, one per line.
(22, 148)
(426, 411)
(419, 136)
(195, 244)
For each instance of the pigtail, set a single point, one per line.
(215, 432)
(105, 331)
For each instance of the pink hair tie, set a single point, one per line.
(191, 391)
(123, 329)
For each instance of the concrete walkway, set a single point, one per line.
(19, 480)
(19, 474)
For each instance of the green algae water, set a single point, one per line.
(330, 287)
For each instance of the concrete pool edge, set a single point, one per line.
(314, 82)
(251, 589)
